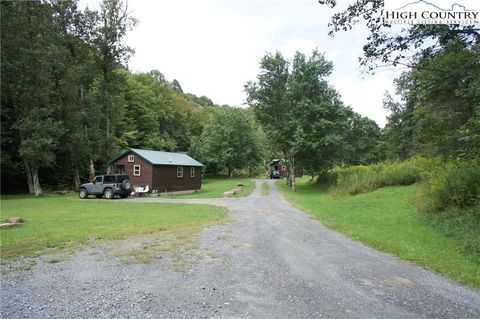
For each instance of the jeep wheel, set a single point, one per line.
(126, 185)
(83, 194)
(108, 193)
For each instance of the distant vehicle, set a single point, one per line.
(108, 186)
(275, 175)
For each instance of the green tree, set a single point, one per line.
(176, 86)
(363, 140)
(230, 140)
(446, 97)
(113, 22)
(317, 114)
(28, 55)
(397, 133)
(440, 106)
(72, 75)
(268, 98)
(299, 110)
(439, 90)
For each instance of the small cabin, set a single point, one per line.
(162, 172)
(280, 166)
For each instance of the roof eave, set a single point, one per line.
(125, 152)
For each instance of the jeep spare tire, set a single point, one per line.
(126, 185)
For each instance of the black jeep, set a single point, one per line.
(108, 186)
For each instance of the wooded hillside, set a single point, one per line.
(69, 102)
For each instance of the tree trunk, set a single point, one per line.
(229, 171)
(91, 170)
(293, 184)
(28, 172)
(286, 154)
(291, 171)
(76, 178)
(91, 167)
(36, 182)
(108, 133)
(76, 174)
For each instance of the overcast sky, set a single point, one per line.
(213, 47)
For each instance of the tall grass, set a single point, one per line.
(451, 197)
(448, 194)
(452, 186)
(361, 179)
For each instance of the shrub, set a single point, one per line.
(454, 185)
(327, 177)
(360, 179)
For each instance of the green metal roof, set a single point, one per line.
(159, 157)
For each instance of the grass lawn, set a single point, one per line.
(214, 187)
(65, 221)
(386, 220)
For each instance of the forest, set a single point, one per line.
(69, 102)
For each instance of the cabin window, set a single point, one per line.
(136, 170)
(192, 171)
(179, 171)
(119, 169)
(131, 158)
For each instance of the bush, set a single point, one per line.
(327, 177)
(454, 186)
(451, 195)
(361, 179)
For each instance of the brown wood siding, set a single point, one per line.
(146, 171)
(165, 179)
(161, 178)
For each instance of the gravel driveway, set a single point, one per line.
(270, 261)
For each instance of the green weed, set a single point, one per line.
(365, 178)
(452, 186)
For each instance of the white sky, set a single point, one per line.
(213, 47)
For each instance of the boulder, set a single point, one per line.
(236, 189)
(229, 193)
(240, 185)
(15, 220)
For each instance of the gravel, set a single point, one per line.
(270, 261)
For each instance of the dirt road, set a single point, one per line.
(270, 261)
